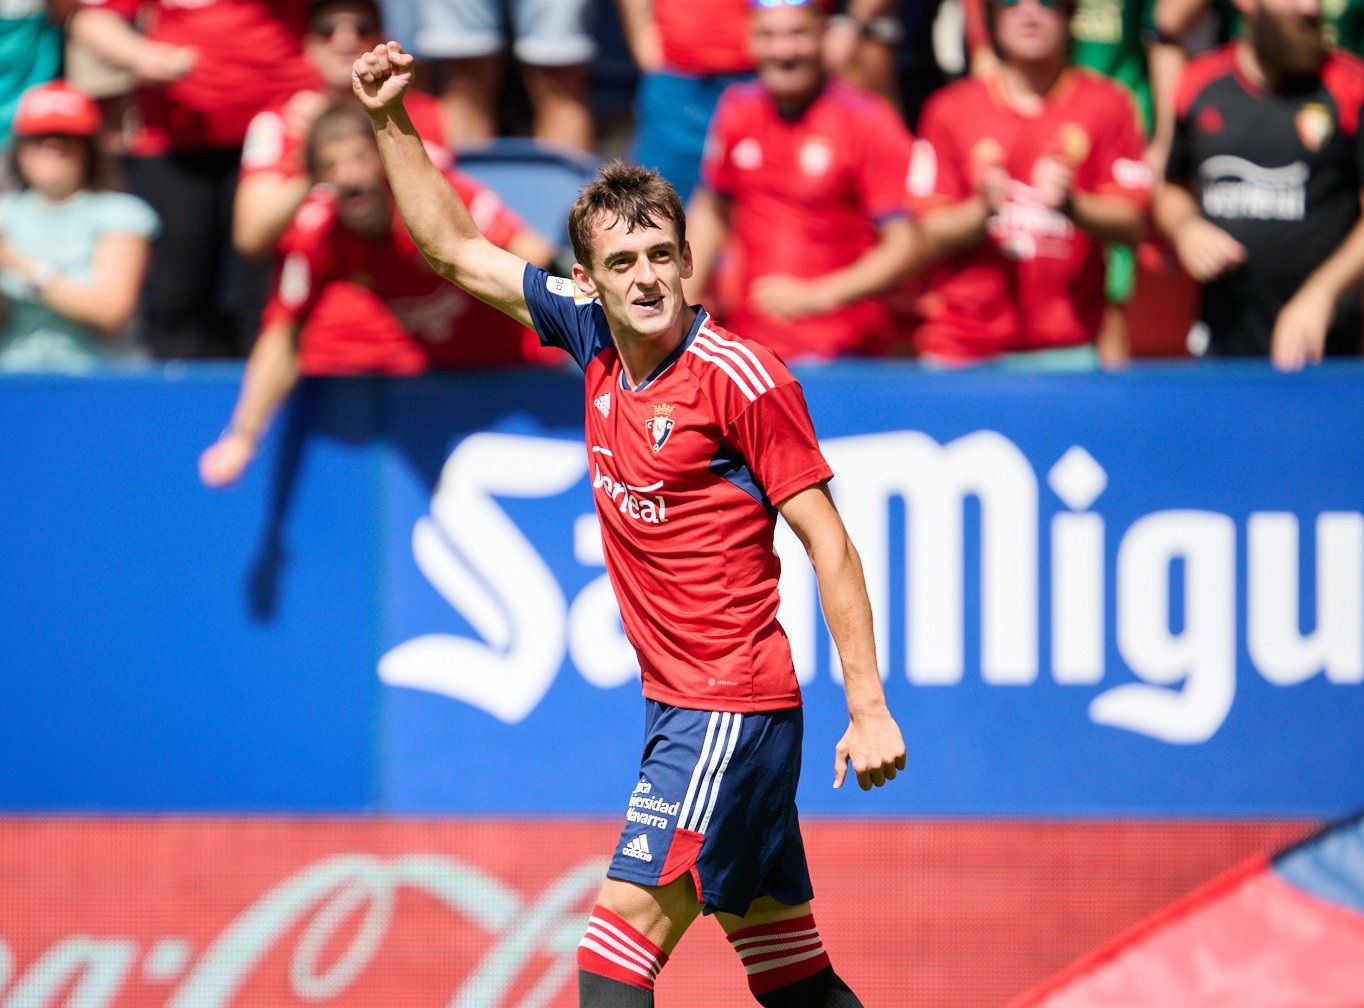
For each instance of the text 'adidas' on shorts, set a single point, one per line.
(717, 798)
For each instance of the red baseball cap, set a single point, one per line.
(56, 107)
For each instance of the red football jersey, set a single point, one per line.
(1038, 281)
(805, 198)
(686, 471)
(250, 55)
(704, 36)
(379, 308)
(271, 146)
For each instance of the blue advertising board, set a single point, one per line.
(1138, 594)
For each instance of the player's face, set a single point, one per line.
(785, 42)
(638, 277)
(1287, 36)
(337, 35)
(1029, 31)
(351, 164)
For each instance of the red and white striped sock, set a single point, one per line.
(612, 948)
(780, 954)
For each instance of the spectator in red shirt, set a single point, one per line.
(1020, 175)
(801, 210)
(400, 318)
(204, 70)
(274, 179)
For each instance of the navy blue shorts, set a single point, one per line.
(717, 798)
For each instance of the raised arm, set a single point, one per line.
(433, 212)
(873, 743)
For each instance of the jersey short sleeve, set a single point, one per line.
(563, 316)
(775, 433)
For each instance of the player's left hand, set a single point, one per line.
(875, 748)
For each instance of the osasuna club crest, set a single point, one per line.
(659, 426)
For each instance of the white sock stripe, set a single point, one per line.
(735, 725)
(755, 951)
(791, 960)
(685, 814)
(775, 936)
(609, 932)
(620, 961)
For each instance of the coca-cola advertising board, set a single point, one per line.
(175, 912)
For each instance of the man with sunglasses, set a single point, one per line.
(274, 179)
(1019, 176)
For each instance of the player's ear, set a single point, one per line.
(583, 280)
(686, 261)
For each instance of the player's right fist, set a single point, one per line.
(380, 76)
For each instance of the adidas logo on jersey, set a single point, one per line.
(603, 403)
(638, 848)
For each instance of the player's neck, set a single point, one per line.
(640, 353)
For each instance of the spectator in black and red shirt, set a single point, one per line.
(1262, 201)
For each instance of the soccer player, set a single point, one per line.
(1262, 201)
(697, 439)
(1019, 177)
(802, 203)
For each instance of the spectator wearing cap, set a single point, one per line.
(73, 254)
(204, 69)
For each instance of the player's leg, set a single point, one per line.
(704, 824)
(630, 935)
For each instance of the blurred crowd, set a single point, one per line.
(973, 183)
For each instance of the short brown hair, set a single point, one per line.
(640, 197)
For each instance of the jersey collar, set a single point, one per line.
(702, 317)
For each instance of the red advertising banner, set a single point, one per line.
(210, 913)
